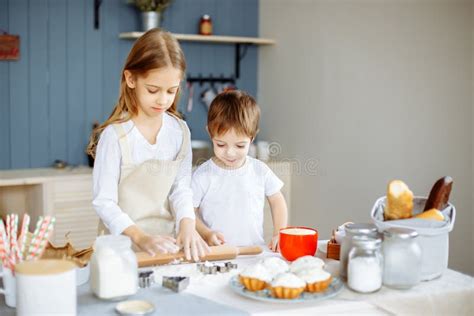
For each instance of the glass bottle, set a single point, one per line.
(352, 230)
(365, 265)
(205, 25)
(114, 268)
(402, 258)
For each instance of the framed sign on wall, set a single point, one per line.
(9, 47)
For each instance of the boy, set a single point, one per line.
(229, 189)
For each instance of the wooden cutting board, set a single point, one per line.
(224, 252)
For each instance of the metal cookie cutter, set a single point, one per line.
(206, 268)
(145, 279)
(175, 283)
(214, 268)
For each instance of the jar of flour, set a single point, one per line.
(114, 268)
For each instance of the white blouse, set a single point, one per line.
(106, 174)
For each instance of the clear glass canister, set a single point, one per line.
(351, 230)
(402, 258)
(114, 268)
(365, 264)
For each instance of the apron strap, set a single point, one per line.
(124, 145)
(185, 144)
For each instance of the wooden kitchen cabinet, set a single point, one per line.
(67, 194)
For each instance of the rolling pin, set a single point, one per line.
(223, 252)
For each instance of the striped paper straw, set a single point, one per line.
(34, 237)
(44, 240)
(14, 245)
(34, 248)
(3, 244)
(11, 255)
(23, 234)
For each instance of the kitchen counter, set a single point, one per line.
(452, 294)
(67, 194)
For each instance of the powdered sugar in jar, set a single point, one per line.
(114, 268)
(365, 265)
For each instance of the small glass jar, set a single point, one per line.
(205, 25)
(114, 268)
(402, 258)
(365, 264)
(352, 230)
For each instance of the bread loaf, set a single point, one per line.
(399, 201)
(439, 195)
(433, 214)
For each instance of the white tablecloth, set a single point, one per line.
(452, 294)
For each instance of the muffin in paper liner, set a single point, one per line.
(287, 286)
(318, 286)
(252, 284)
(286, 292)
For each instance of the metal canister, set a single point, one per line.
(356, 229)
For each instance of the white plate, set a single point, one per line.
(323, 245)
(334, 288)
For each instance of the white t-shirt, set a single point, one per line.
(232, 201)
(106, 174)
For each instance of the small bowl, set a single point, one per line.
(82, 275)
(134, 307)
(298, 241)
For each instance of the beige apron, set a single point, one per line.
(143, 189)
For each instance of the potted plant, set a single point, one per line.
(151, 11)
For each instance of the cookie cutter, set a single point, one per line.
(145, 279)
(206, 268)
(175, 283)
(214, 268)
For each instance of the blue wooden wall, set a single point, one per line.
(68, 74)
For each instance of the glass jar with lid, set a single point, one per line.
(365, 264)
(402, 258)
(114, 268)
(351, 230)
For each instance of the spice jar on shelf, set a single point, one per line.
(114, 268)
(365, 264)
(205, 25)
(402, 258)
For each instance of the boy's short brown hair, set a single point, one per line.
(233, 109)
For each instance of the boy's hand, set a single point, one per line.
(274, 244)
(214, 238)
(194, 246)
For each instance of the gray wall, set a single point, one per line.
(68, 75)
(370, 91)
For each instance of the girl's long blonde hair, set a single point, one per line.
(154, 49)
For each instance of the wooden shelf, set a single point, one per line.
(209, 38)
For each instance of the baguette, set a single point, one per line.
(439, 195)
(399, 201)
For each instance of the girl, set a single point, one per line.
(142, 169)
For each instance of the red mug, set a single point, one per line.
(298, 241)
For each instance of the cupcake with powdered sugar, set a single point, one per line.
(317, 279)
(275, 265)
(306, 262)
(255, 277)
(287, 286)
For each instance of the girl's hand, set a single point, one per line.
(157, 244)
(188, 238)
(274, 244)
(214, 238)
